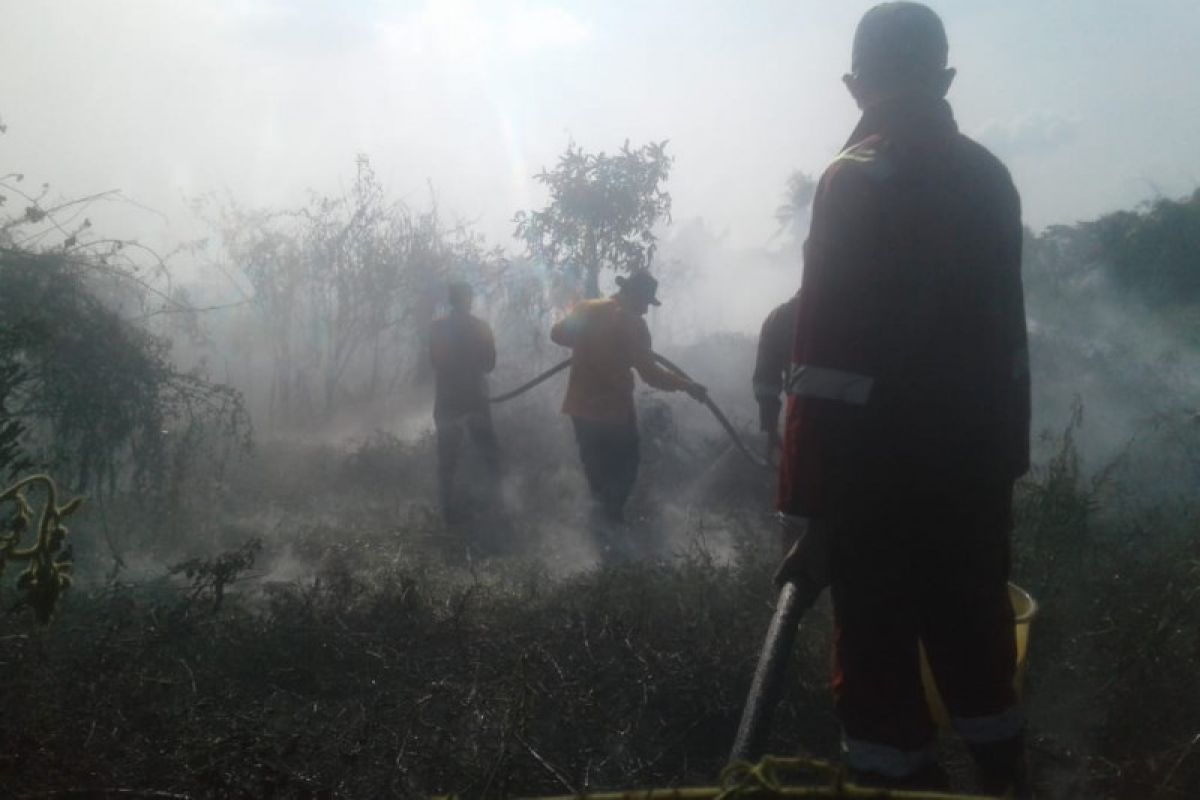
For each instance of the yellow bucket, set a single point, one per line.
(1024, 610)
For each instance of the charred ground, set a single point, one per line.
(291, 618)
(366, 652)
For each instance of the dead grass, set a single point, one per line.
(365, 654)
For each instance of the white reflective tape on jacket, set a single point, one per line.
(883, 759)
(823, 383)
(991, 728)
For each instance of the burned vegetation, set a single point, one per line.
(278, 610)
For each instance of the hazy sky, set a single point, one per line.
(1093, 104)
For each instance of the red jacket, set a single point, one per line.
(910, 365)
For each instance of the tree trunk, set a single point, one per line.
(591, 286)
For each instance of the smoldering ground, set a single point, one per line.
(304, 599)
(292, 618)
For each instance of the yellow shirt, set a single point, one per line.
(608, 342)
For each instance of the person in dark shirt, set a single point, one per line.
(463, 351)
(771, 365)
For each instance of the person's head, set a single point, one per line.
(460, 296)
(637, 291)
(900, 51)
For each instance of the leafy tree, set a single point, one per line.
(87, 388)
(98, 394)
(1152, 253)
(601, 212)
(1155, 253)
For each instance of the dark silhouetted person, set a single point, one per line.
(463, 352)
(609, 338)
(771, 365)
(908, 415)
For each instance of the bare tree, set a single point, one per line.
(346, 288)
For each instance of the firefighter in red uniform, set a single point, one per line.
(908, 414)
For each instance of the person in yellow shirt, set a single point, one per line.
(609, 339)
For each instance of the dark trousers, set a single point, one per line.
(930, 566)
(609, 452)
(452, 429)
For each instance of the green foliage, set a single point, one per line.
(98, 395)
(87, 389)
(1152, 253)
(49, 571)
(601, 212)
(1155, 253)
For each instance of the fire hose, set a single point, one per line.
(753, 457)
(771, 674)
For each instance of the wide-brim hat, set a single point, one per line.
(640, 284)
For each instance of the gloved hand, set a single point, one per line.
(807, 563)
